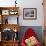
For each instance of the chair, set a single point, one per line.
(28, 34)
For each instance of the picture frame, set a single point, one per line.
(5, 12)
(13, 12)
(30, 13)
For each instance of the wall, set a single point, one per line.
(7, 3)
(32, 4)
(27, 4)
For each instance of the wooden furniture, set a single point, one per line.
(10, 43)
(44, 4)
(44, 37)
(11, 26)
(5, 12)
(0, 43)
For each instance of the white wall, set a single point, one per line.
(7, 3)
(27, 4)
(32, 4)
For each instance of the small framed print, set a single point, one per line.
(30, 13)
(5, 12)
(13, 12)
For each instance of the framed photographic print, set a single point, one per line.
(13, 12)
(5, 12)
(30, 13)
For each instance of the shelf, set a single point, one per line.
(9, 11)
(5, 13)
(11, 41)
(10, 26)
(10, 44)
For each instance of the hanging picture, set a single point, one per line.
(30, 13)
(5, 12)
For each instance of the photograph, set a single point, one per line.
(30, 13)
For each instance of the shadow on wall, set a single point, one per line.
(37, 29)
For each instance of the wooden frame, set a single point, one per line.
(30, 13)
(4, 19)
(9, 10)
(5, 12)
(13, 12)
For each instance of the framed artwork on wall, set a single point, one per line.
(5, 12)
(30, 13)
